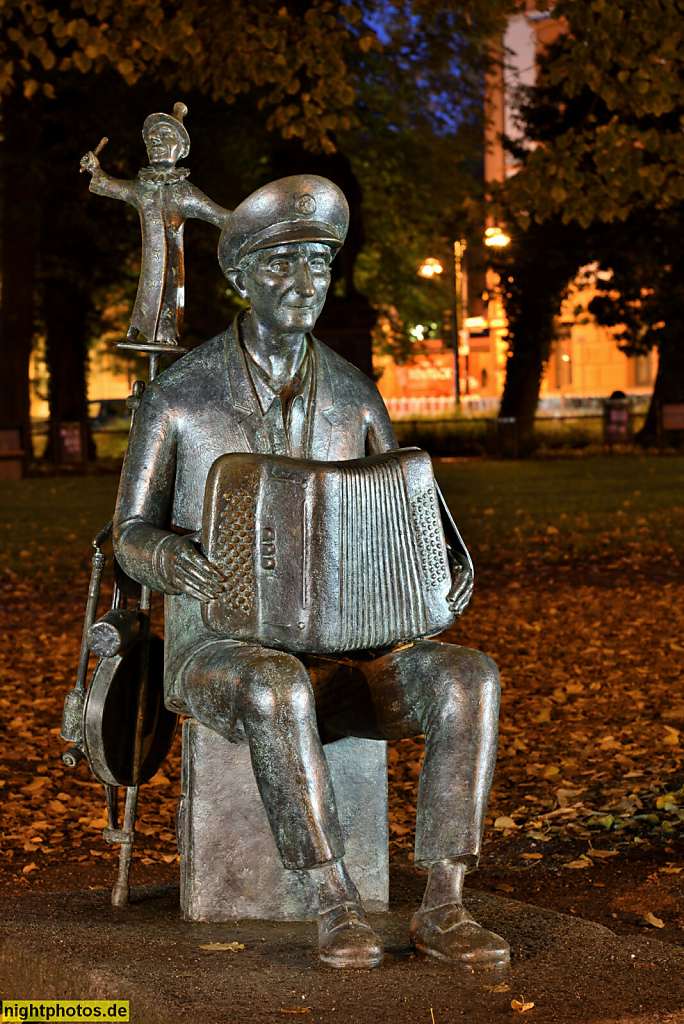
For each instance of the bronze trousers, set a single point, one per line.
(286, 707)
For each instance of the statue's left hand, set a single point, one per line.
(462, 585)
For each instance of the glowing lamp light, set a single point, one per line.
(431, 267)
(496, 237)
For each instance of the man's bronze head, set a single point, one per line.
(277, 247)
(286, 284)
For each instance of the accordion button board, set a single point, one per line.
(326, 557)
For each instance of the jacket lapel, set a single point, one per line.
(325, 415)
(246, 410)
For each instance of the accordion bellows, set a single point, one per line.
(326, 557)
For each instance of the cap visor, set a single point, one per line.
(282, 234)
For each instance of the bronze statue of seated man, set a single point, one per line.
(267, 385)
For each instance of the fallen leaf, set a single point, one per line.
(504, 822)
(583, 862)
(215, 947)
(503, 887)
(605, 853)
(159, 780)
(672, 738)
(550, 771)
(520, 1005)
(670, 869)
(35, 785)
(29, 867)
(532, 856)
(654, 921)
(667, 802)
(501, 987)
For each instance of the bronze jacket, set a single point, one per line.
(204, 406)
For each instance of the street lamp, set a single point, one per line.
(431, 267)
(459, 311)
(496, 238)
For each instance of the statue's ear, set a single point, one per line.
(236, 280)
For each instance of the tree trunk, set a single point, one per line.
(668, 387)
(529, 351)
(535, 271)
(20, 224)
(66, 308)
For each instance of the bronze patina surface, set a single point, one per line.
(164, 199)
(267, 386)
(327, 556)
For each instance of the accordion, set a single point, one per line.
(327, 557)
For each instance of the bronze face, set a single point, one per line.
(286, 285)
(163, 146)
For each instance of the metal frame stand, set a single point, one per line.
(74, 704)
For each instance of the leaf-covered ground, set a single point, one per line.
(581, 608)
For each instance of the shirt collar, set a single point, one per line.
(262, 388)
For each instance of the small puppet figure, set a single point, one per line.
(164, 199)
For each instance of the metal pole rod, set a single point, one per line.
(459, 254)
(121, 889)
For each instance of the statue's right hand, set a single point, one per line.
(187, 570)
(89, 162)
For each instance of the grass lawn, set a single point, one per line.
(47, 524)
(559, 509)
(552, 509)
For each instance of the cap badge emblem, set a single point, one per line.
(306, 205)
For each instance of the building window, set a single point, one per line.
(483, 379)
(643, 371)
(563, 349)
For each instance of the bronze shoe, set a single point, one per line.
(345, 939)
(450, 933)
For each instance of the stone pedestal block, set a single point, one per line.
(230, 867)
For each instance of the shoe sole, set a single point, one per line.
(361, 964)
(503, 960)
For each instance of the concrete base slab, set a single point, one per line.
(75, 945)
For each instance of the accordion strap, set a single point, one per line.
(453, 537)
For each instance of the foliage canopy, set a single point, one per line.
(607, 114)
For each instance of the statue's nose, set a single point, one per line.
(304, 280)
